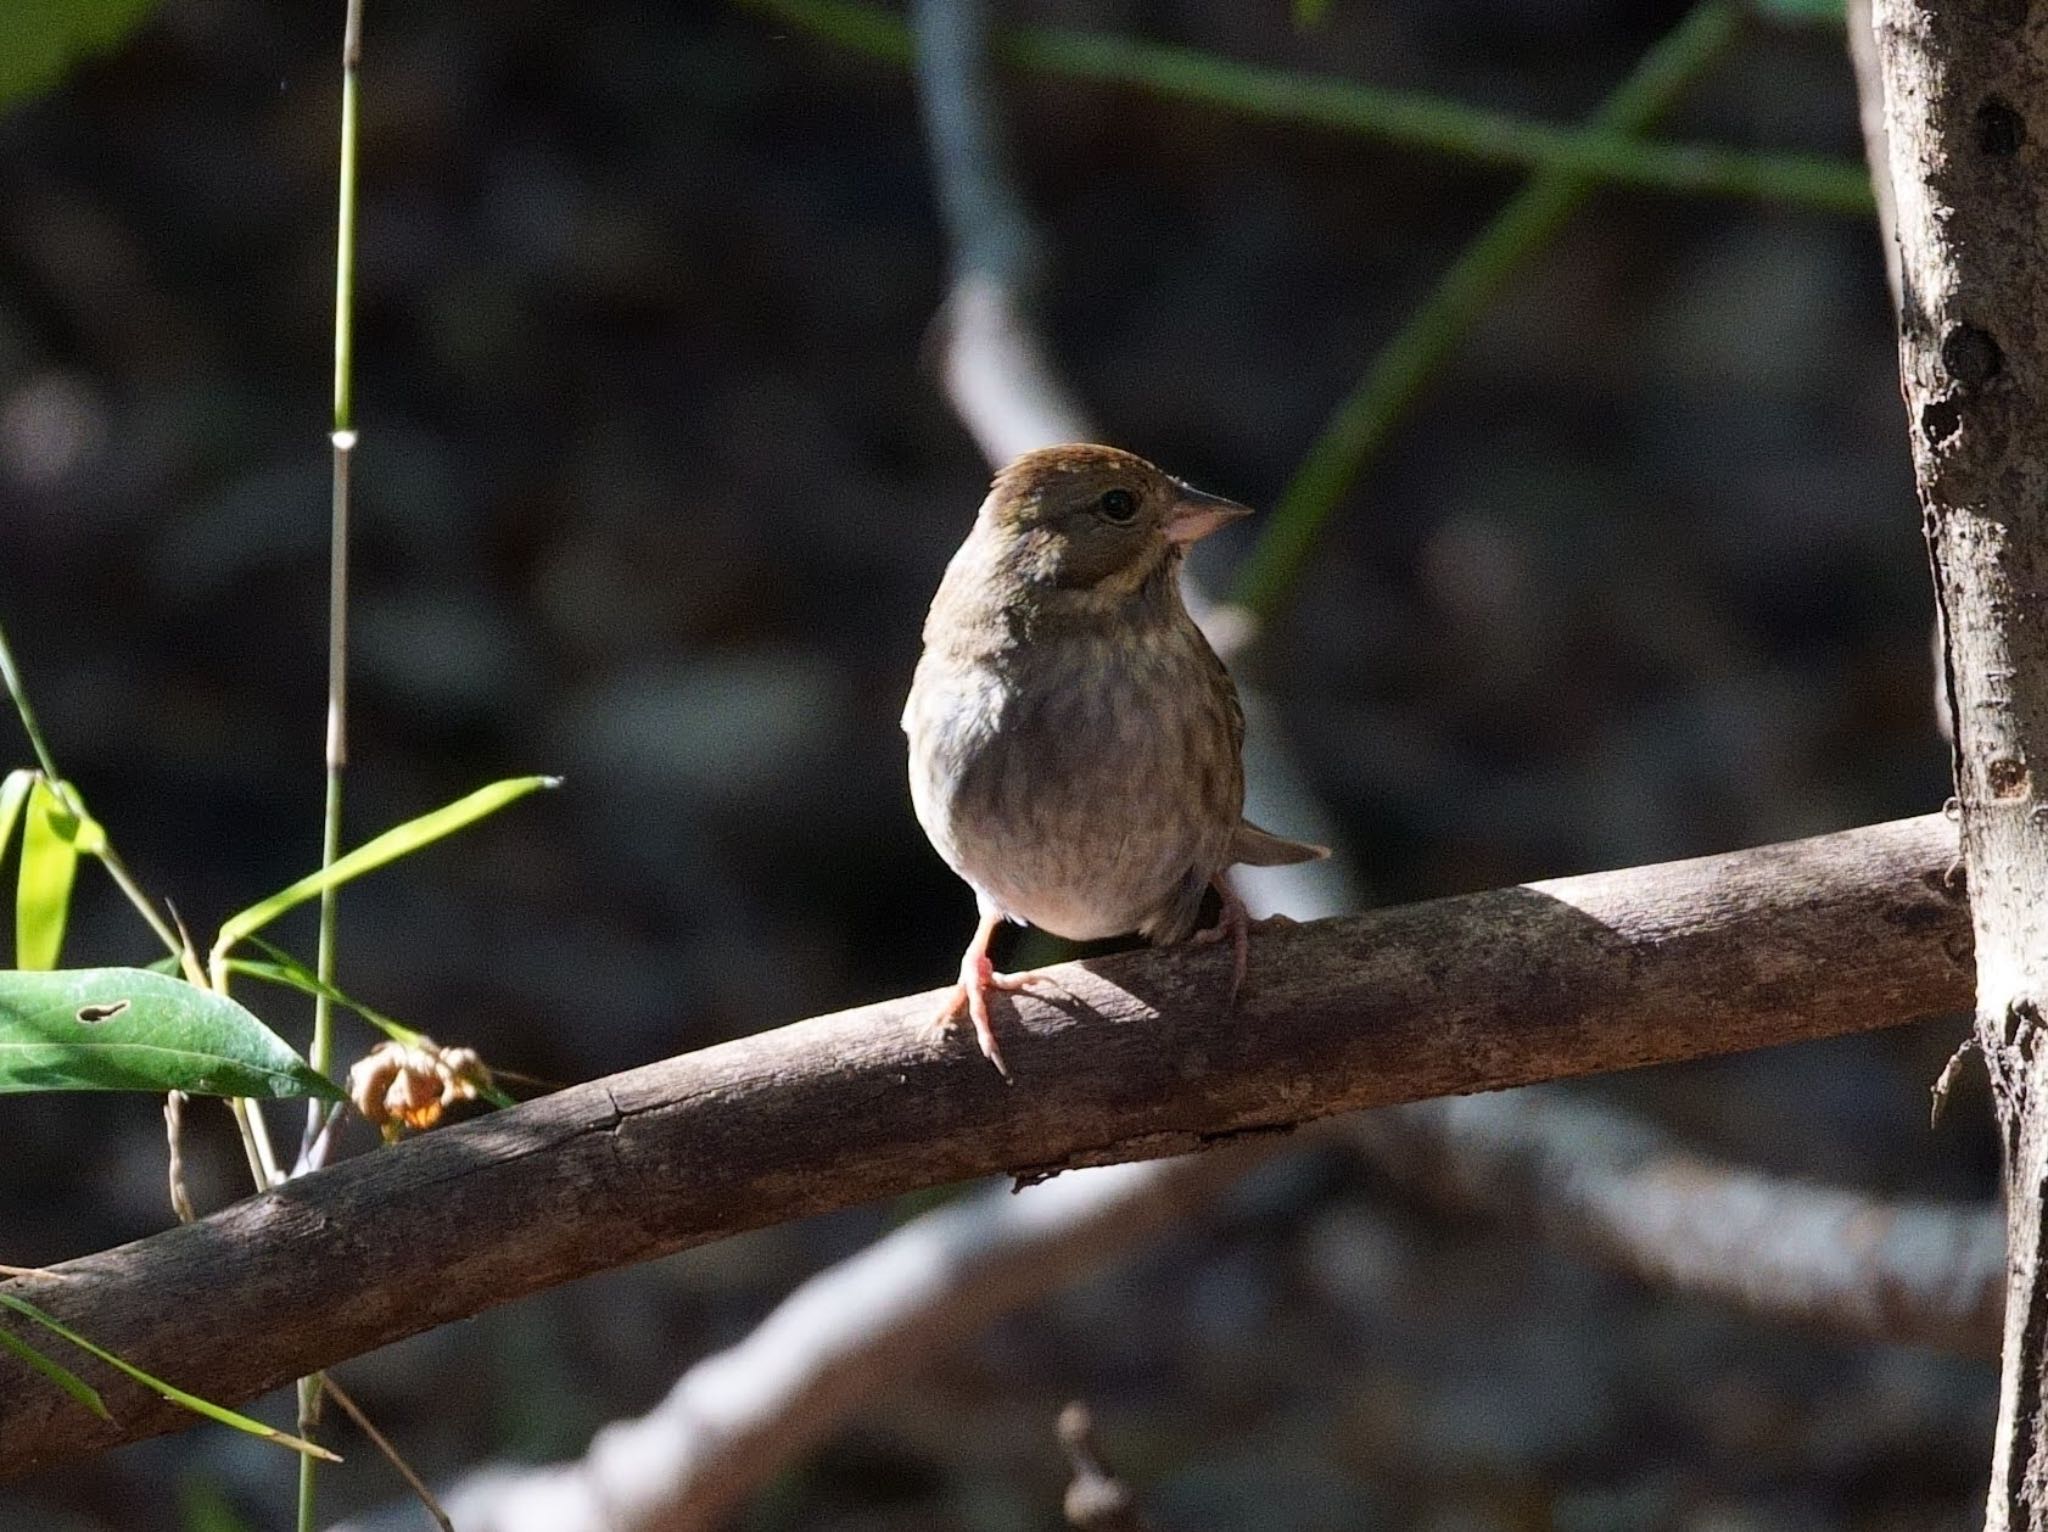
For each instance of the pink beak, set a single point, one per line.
(1195, 515)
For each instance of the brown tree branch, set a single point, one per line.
(1966, 102)
(1132, 1056)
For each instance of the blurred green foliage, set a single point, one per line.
(40, 39)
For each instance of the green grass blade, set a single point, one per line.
(42, 892)
(130, 1029)
(165, 1390)
(13, 794)
(58, 1374)
(290, 973)
(388, 847)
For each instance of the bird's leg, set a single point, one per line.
(1235, 922)
(977, 977)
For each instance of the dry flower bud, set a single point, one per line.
(400, 1086)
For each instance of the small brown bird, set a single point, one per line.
(1075, 744)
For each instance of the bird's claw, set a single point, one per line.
(1235, 923)
(977, 977)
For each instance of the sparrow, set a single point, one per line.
(1076, 747)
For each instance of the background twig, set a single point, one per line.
(1406, 118)
(1606, 1184)
(737, 1418)
(1361, 422)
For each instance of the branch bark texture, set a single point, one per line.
(1966, 101)
(1131, 1057)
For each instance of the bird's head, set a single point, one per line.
(1093, 519)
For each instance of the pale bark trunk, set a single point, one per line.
(1966, 98)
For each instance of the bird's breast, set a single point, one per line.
(1079, 784)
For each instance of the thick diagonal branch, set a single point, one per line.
(1132, 1056)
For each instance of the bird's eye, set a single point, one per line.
(1118, 505)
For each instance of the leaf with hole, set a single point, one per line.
(130, 1029)
(386, 848)
(175, 1395)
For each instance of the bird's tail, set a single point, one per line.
(1262, 848)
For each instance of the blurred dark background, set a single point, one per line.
(652, 490)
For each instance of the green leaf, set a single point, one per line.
(176, 1396)
(388, 847)
(46, 37)
(1309, 14)
(13, 793)
(58, 1374)
(42, 894)
(129, 1029)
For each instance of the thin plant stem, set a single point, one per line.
(10, 676)
(257, 1147)
(1362, 422)
(1411, 118)
(124, 880)
(343, 441)
(255, 1143)
(382, 1443)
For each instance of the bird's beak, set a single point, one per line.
(1195, 515)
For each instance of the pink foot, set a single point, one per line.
(977, 977)
(1234, 921)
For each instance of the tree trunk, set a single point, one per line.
(1966, 88)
